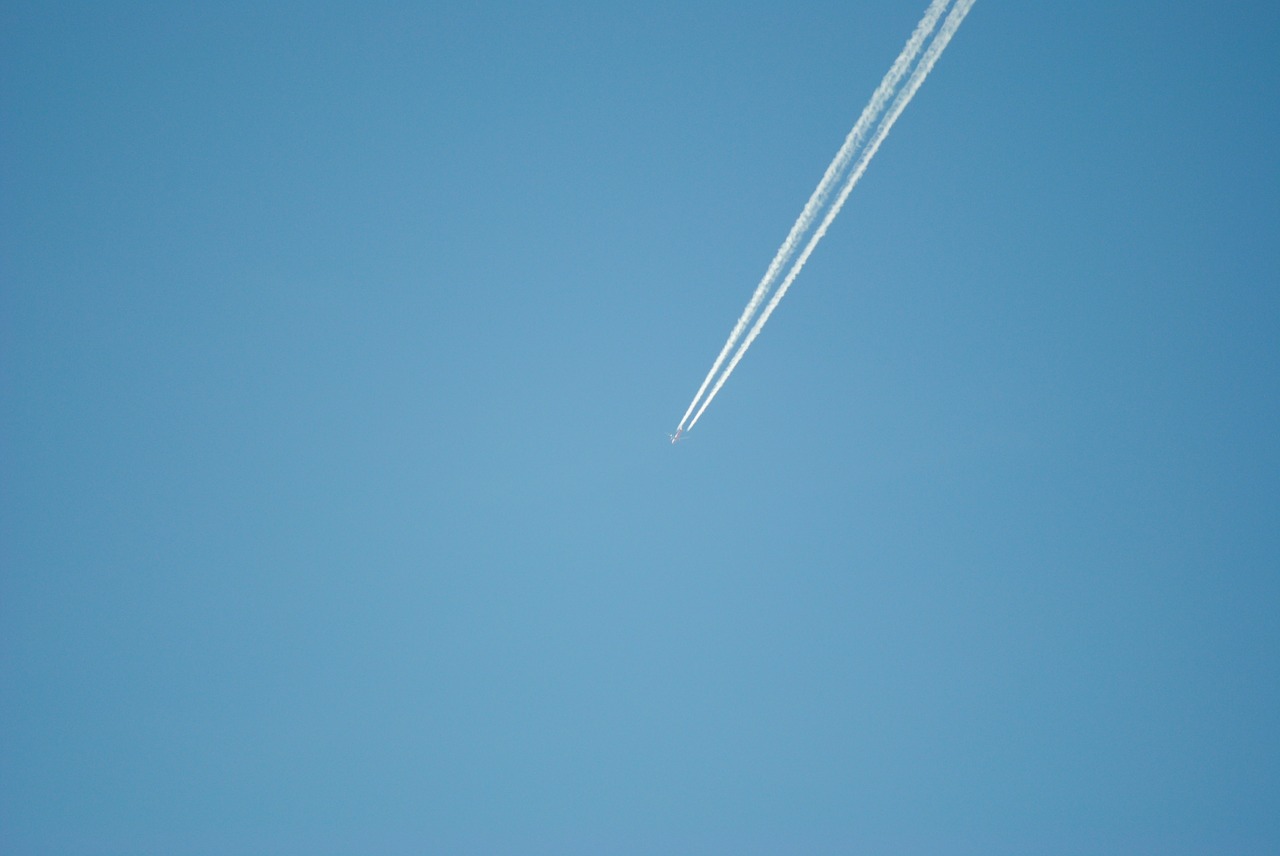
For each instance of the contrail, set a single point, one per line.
(819, 197)
(927, 61)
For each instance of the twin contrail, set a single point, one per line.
(910, 52)
(829, 178)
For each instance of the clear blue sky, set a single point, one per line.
(339, 347)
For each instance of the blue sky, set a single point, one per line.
(340, 343)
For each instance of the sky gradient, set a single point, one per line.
(340, 345)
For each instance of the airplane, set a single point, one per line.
(675, 438)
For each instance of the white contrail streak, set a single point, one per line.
(819, 197)
(931, 54)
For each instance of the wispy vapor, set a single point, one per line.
(927, 62)
(819, 197)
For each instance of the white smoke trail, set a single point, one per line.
(927, 61)
(819, 197)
